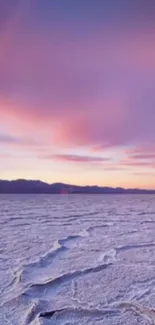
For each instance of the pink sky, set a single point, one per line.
(77, 93)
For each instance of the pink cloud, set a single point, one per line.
(137, 163)
(143, 156)
(77, 158)
(95, 90)
(144, 174)
(7, 139)
(116, 167)
(133, 163)
(145, 149)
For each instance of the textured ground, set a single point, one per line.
(77, 259)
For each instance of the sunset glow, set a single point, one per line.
(77, 92)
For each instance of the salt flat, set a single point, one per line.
(77, 259)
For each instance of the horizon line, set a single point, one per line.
(80, 186)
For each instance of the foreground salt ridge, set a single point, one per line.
(43, 261)
(145, 312)
(113, 310)
(34, 312)
(32, 289)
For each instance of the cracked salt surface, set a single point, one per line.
(77, 259)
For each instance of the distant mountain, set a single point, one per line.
(29, 186)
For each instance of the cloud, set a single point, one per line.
(77, 158)
(117, 167)
(7, 139)
(135, 163)
(92, 88)
(140, 156)
(142, 164)
(145, 149)
(143, 156)
(144, 174)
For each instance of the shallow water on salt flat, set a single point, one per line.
(79, 255)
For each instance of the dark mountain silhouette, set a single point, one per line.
(29, 186)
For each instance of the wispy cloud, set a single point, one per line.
(7, 139)
(138, 163)
(77, 158)
(143, 156)
(140, 156)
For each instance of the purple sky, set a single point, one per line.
(77, 91)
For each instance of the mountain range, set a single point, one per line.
(30, 186)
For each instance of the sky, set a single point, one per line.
(77, 91)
